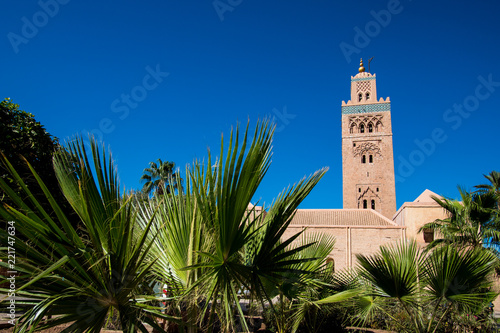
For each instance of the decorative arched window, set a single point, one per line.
(370, 127)
(363, 159)
(370, 158)
(352, 128)
(373, 204)
(360, 97)
(378, 126)
(367, 96)
(365, 204)
(362, 128)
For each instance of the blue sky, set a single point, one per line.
(193, 69)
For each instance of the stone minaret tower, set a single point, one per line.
(367, 154)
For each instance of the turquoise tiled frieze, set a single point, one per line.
(366, 108)
(363, 78)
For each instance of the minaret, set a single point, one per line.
(367, 153)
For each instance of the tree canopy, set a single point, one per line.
(23, 136)
(159, 176)
(24, 139)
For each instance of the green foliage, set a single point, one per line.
(75, 279)
(159, 176)
(428, 287)
(472, 221)
(22, 135)
(494, 186)
(212, 244)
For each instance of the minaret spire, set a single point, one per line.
(361, 68)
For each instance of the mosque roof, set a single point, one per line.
(340, 217)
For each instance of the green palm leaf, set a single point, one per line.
(79, 276)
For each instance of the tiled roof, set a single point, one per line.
(344, 217)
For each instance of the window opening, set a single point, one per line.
(365, 204)
(360, 97)
(373, 204)
(363, 159)
(370, 127)
(362, 128)
(370, 158)
(367, 96)
(428, 235)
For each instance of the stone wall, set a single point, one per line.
(352, 240)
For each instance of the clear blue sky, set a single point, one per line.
(73, 64)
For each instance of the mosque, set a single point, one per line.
(369, 217)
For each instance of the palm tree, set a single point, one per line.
(427, 287)
(158, 176)
(81, 277)
(471, 221)
(211, 245)
(306, 282)
(494, 189)
(494, 186)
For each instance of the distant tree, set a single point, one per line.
(160, 177)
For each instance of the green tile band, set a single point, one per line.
(366, 108)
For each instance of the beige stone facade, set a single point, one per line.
(413, 215)
(367, 152)
(356, 231)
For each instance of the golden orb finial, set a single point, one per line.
(361, 68)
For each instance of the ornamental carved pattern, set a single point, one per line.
(366, 147)
(368, 193)
(366, 119)
(357, 124)
(363, 86)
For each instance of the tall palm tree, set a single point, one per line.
(470, 221)
(158, 176)
(428, 287)
(80, 277)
